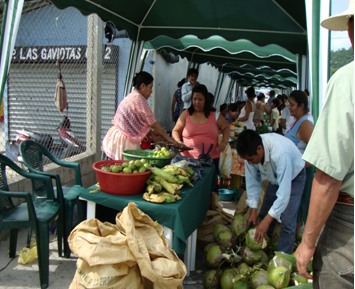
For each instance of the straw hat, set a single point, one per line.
(339, 22)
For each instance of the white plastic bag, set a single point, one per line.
(225, 160)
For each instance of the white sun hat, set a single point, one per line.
(339, 22)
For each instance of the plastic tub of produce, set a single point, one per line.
(225, 195)
(133, 155)
(119, 183)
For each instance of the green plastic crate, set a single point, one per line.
(132, 155)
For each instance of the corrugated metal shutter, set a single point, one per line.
(31, 89)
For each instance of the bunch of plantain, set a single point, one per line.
(164, 185)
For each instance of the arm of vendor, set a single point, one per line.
(279, 160)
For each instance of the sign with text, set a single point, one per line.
(66, 54)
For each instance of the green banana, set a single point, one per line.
(190, 170)
(166, 185)
(168, 198)
(172, 172)
(150, 189)
(157, 187)
(177, 187)
(160, 173)
(182, 180)
(153, 198)
(176, 197)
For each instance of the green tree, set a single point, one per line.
(340, 58)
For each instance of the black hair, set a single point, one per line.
(142, 77)
(281, 97)
(181, 82)
(261, 96)
(248, 142)
(223, 107)
(192, 71)
(276, 102)
(233, 107)
(243, 103)
(301, 98)
(272, 93)
(200, 88)
(250, 92)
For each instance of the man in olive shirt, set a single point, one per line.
(331, 151)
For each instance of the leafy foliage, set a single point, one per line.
(340, 58)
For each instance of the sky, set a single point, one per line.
(339, 39)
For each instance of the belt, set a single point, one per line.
(345, 199)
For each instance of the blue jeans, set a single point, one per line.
(289, 216)
(333, 260)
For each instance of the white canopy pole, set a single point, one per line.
(323, 53)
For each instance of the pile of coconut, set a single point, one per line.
(239, 262)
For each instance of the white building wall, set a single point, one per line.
(166, 76)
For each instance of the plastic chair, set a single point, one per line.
(36, 212)
(33, 154)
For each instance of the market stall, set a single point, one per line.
(182, 217)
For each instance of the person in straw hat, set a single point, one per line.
(331, 151)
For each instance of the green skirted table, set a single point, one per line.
(182, 217)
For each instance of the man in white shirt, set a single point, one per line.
(277, 158)
(186, 89)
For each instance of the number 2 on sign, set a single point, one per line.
(107, 52)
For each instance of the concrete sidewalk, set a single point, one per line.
(62, 270)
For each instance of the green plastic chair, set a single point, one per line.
(33, 154)
(37, 213)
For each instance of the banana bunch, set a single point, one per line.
(163, 185)
(238, 123)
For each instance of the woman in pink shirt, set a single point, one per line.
(133, 120)
(198, 125)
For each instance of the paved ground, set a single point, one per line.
(16, 276)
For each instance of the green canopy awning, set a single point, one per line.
(220, 46)
(260, 70)
(280, 22)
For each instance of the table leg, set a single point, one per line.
(193, 250)
(90, 210)
(168, 233)
(187, 255)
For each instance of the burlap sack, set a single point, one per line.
(150, 249)
(215, 215)
(131, 254)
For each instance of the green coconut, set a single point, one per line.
(251, 242)
(208, 247)
(226, 239)
(277, 261)
(217, 228)
(279, 277)
(259, 278)
(214, 256)
(242, 267)
(243, 284)
(239, 225)
(265, 287)
(274, 246)
(296, 279)
(212, 278)
(227, 278)
(250, 256)
(264, 258)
